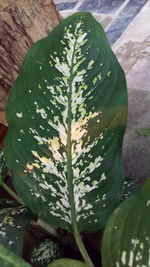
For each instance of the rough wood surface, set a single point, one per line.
(3, 131)
(22, 22)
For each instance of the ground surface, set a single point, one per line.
(127, 24)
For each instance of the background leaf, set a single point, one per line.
(67, 263)
(45, 252)
(130, 187)
(9, 259)
(126, 240)
(5, 203)
(64, 143)
(14, 219)
(144, 131)
(3, 167)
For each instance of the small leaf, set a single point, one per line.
(14, 219)
(67, 263)
(3, 167)
(130, 187)
(9, 259)
(143, 132)
(126, 240)
(45, 252)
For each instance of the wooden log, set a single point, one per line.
(22, 22)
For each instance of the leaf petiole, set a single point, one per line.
(12, 193)
(82, 247)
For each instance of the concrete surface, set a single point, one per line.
(127, 24)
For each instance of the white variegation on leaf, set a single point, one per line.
(130, 187)
(14, 220)
(126, 240)
(67, 126)
(45, 252)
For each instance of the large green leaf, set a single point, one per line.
(14, 220)
(67, 263)
(67, 115)
(126, 241)
(9, 259)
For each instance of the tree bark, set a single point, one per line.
(22, 22)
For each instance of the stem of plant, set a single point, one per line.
(12, 193)
(82, 248)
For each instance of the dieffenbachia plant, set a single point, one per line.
(3, 176)
(67, 263)
(10, 259)
(130, 187)
(126, 240)
(45, 252)
(67, 113)
(14, 220)
(3, 168)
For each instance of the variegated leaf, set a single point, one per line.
(64, 143)
(67, 263)
(9, 259)
(45, 252)
(3, 167)
(14, 219)
(130, 187)
(126, 240)
(5, 203)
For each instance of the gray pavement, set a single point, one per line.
(127, 25)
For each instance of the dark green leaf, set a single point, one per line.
(3, 167)
(5, 203)
(126, 240)
(144, 131)
(9, 259)
(14, 219)
(64, 143)
(67, 263)
(45, 252)
(130, 187)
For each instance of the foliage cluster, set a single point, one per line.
(67, 114)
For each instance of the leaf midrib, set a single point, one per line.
(69, 147)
